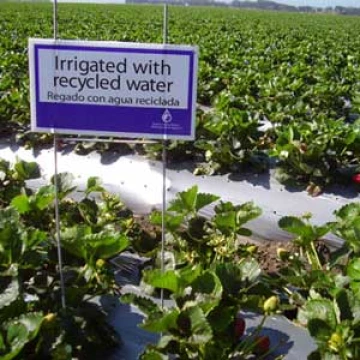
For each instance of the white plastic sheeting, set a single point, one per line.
(138, 181)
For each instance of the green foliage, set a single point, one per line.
(31, 316)
(230, 137)
(316, 152)
(12, 178)
(197, 239)
(201, 324)
(189, 202)
(325, 290)
(348, 225)
(17, 332)
(296, 72)
(333, 325)
(83, 243)
(306, 236)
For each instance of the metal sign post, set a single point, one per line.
(164, 161)
(56, 184)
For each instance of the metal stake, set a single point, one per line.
(164, 160)
(56, 183)
(57, 224)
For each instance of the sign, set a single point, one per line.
(113, 88)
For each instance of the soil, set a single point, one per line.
(266, 253)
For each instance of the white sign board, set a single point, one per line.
(113, 88)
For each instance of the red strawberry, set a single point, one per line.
(262, 344)
(356, 178)
(239, 327)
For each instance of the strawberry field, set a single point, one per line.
(212, 280)
(277, 92)
(283, 88)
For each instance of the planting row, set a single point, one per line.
(284, 87)
(210, 275)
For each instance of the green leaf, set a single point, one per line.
(106, 245)
(33, 237)
(73, 240)
(207, 290)
(205, 200)
(167, 280)
(89, 210)
(10, 293)
(349, 212)
(185, 201)
(250, 270)
(201, 331)
(43, 197)
(65, 184)
(294, 225)
(321, 309)
(345, 302)
(234, 276)
(80, 242)
(151, 354)
(161, 322)
(350, 232)
(16, 336)
(165, 341)
(93, 185)
(21, 204)
(246, 212)
(20, 331)
(27, 170)
(319, 329)
(226, 223)
(145, 305)
(11, 243)
(172, 222)
(321, 231)
(353, 269)
(208, 283)
(244, 232)
(221, 317)
(2, 344)
(188, 274)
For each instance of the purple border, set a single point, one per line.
(127, 120)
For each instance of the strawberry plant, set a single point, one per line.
(33, 322)
(230, 137)
(12, 178)
(197, 239)
(314, 153)
(347, 226)
(205, 322)
(334, 325)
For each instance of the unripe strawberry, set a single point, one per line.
(239, 327)
(336, 342)
(252, 249)
(100, 263)
(271, 304)
(262, 345)
(282, 254)
(49, 317)
(15, 176)
(49, 321)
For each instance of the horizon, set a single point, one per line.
(320, 3)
